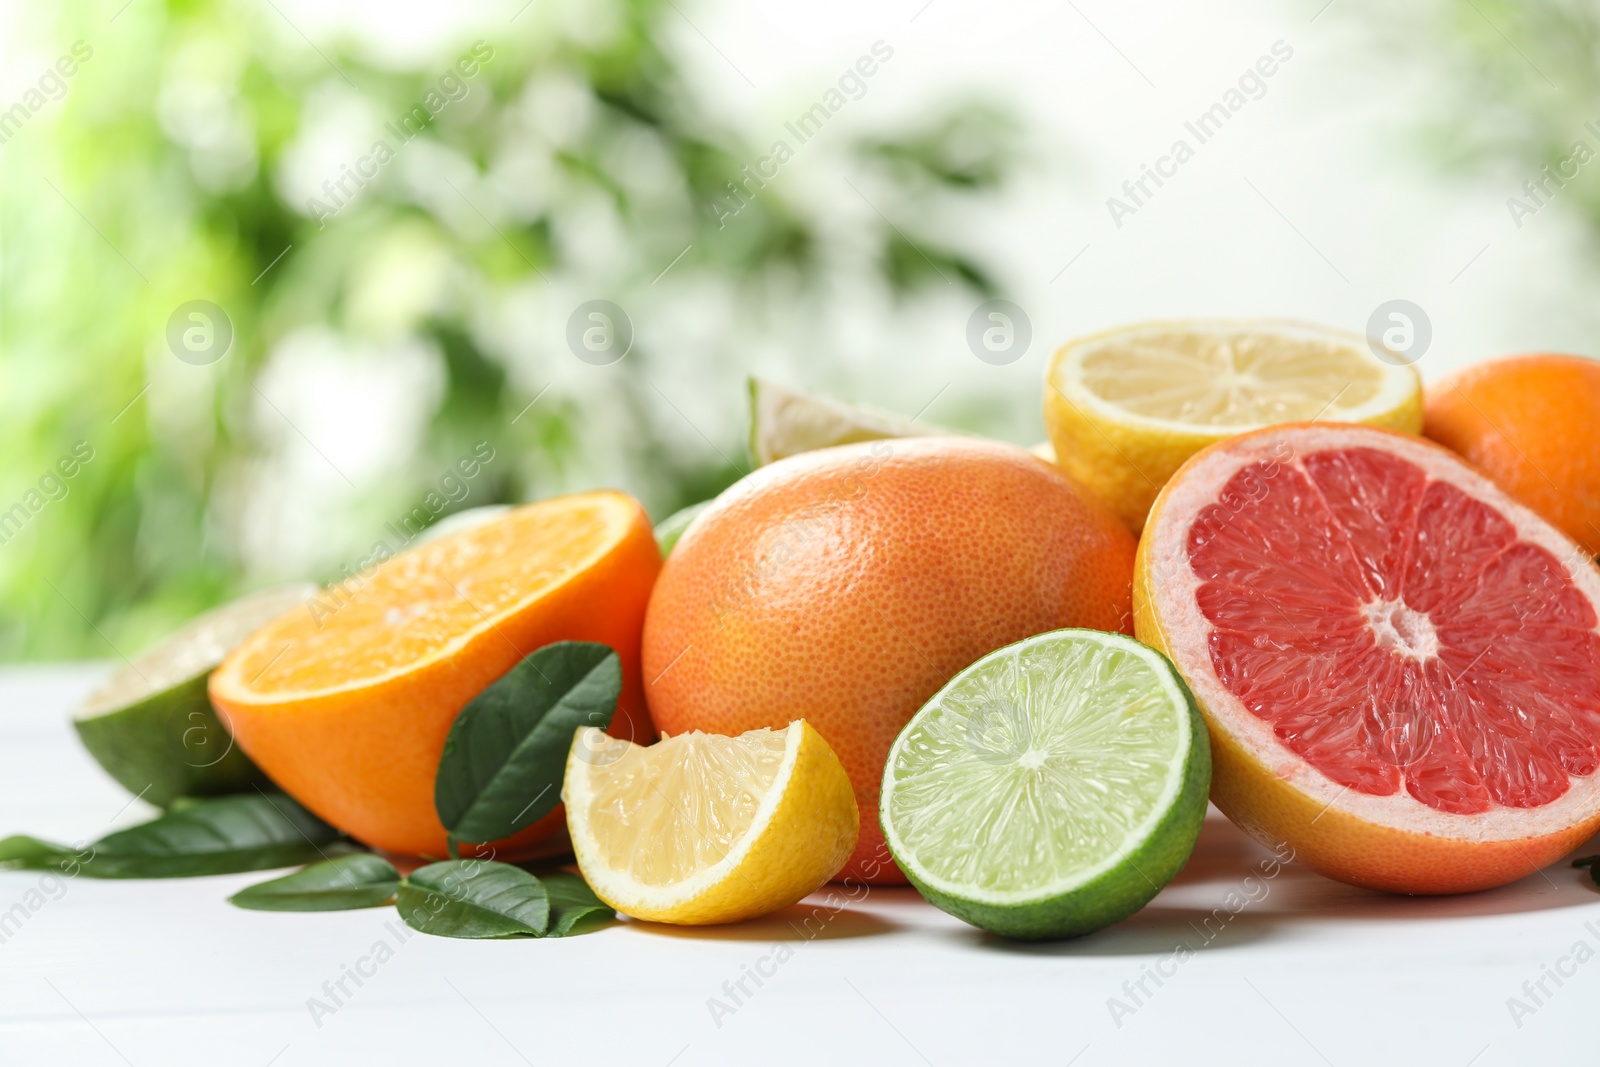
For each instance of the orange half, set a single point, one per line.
(346, 702)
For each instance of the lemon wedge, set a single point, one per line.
(702, 828)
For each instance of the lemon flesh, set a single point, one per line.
(1051, 788)
(702, 828)
(1127, 407)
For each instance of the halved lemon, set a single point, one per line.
(702, 828)
(1126, 407)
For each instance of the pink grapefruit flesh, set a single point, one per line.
(1399, 666)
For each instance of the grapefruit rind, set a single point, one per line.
(1393, 843)
(1118, 883)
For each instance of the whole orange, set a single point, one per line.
(346, 703)
(1532, 424)
(846, 586)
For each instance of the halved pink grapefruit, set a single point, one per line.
(1399, 665)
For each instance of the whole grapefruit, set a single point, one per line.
(1532, 424)
(1398, 663)
(846, 586)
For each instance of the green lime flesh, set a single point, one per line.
(151, 724)
(1050, 789)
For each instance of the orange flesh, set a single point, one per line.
(427, 602)
(346, 704)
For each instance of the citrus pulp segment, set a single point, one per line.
(347, 704)
(702, 828)
(1050, 788)
(1126, 407)
(151, 725)
(1399, 664)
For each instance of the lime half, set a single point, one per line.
(151, 725)
(1051, 788)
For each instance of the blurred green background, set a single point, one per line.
(185, 158)
(377, 344)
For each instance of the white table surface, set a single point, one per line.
(1312, 972)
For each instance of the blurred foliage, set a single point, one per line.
(373, 348)
(1520, 81)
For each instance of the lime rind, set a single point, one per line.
(1056, 748)
(1052, 787)
(170, 745)
(151, 724)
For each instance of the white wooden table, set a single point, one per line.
(1307, 972)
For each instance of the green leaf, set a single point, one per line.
(506, 752)
(21, 852)
(671, 528)
(1591, 862)
(474, 898)
(223, 835)
(360, 880)
(573, 905)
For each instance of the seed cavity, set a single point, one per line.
(1401, 628)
